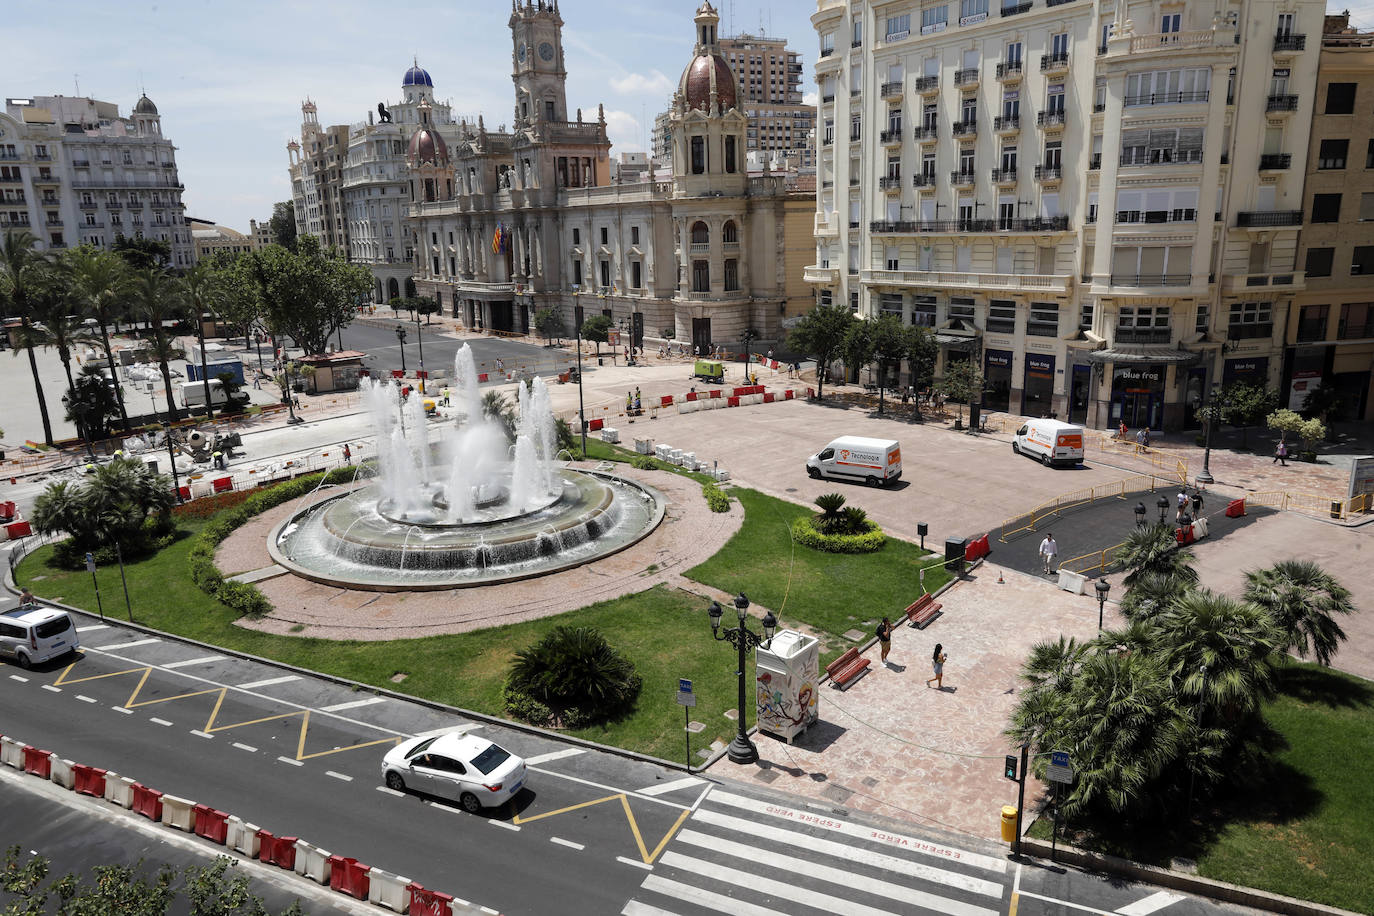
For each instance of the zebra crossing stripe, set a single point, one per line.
(636, 908)
(850, 853)
(663, 788)
(860, 831)
(842, 878)
(782, 890)
(702, 897)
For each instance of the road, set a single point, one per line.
(592, 833)
(378, 340)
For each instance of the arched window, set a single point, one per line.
(700, 234)
(729, 234)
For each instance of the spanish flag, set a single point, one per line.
(496, 240)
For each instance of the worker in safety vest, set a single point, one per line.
(219, 459)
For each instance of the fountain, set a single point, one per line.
(464, 506)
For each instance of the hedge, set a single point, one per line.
(804, 533)
(715, 497)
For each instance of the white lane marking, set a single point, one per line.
(246, 747)
(194, 661)
(635, 908)
(269, 682)
(92, 627)
(1056, 900)
(860, 831)
(685, 782)
(635, 862)
(342, 776)
(515, 827)
(22, 680)
(702, 897)
(127, 645)
(845, 880)
(158, 721)
(391, 792)
(200, 734)
(451, 730)
(127, 712)
(568, 843)
(294, 763)
(85, 699)
(845, 851)
(1156, 901)
(339, 707)
(555, 755)
(52, 688)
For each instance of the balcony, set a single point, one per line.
(828, 141)
(965, 128)
(1004, 176)
(1007, 124)
(114, 205)
(1193, 40)
(1275, 162)
(88, 205)
(927, 85)
(1001, 326)
(1054, 63)
(1009, 71)
(1052, 284)
(1143, 335)
(81, 163)
(1040, 224)
(891, 90)
(1016, 9)
(923, 180)
(927, 134)
(966, 79)
(1162, 157)
(1255, 330)
(1153, 217)
(827, 98)
(891, 137)
(961, 178)
(890, 183)
(825, 275)
(1049, 173)
(826, 52)
(699, 248)
(1263, 219)
(1095, 162)
(1142, 280)
(1166, 98)
(1050, 120)
(1287, 44)
(1281, 103)
(1285, 281)
(54, 221)
(98, 224)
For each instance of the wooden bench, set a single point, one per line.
(923, 611)
(846, 668)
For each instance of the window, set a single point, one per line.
(858, 33)
(731, 274)
(825, 297)
(968, 111)
(827, 44)
(1002, 316)
(1204, 318)
(898, 27)
(1366, 206)
(923, 311)
(1333, 154)
(1013, 55)
(971, 11)
(730, 154)
(1059, 46)
(1248, 319)
(1143, 316)
(605, 235)
(1357, 320)
(1362, 262)
(701, 235)
(1319, 262)
(890, 304)
(1340, 98)
(933, 19)
(1009, 159)
(634, 235)
(1044, 320)
(1054, 98)
(699, 151)
(1326, 208)
(577, 273)
(577, 236)
(549, 111)
(729, 233)
(1312, 322)
(1369, 155)
(701, 276)
(961, 310)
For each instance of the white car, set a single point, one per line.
(470, 770)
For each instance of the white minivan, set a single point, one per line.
(876, 462)
(1052, 441)
(33, 635)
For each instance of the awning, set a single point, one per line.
(956, 341)
(1143, 355)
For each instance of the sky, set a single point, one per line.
(229, 78)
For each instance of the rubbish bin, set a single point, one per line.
(975, 411)
(1009, 823)
(1336, 507)
(954, 554)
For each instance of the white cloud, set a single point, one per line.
(655, 82)
(624, 131)
(810, 98)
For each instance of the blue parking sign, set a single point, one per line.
(684, 685)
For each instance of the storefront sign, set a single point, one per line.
(1305, 381)
(1039, 366)
(1142, 378)
(999, 358)
(1251, 369)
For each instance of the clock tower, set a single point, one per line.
(538, 72)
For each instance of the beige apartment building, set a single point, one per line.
(1093, 201)
(1330, 334)
(317, 175)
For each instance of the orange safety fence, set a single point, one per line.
(1098, 559)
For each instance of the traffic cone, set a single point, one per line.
(999, 578)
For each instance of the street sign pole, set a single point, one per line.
(687, 700)
(90, 564)
(127, 606)
(1020, 799)
(1059, 772)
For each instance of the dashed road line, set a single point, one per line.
(339, 707)
(1147, 905)
(194, 661)
(685, 782)
(200, 734)
(637, 864)
(390, 791)
(158, 721)
(127, 645)
(345, 777)
(92, 627)
(515, 827)
(246, 747)
(85, 699)
(568, 843)
(127, 712)
(269, 682)
(554, 755)
(52, 688)
(294, 763)
(20, 679)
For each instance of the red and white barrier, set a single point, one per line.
(211, 824)
(241, 836)
(37, 762)
(312, 862)
(88, 780)
(62, 772)
(425, 902)
(147, 802)
(388, 890)
(119, 790)
(178, 813)
(11, 752)
(349, 876)
(275, 850)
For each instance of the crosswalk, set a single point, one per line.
(749, 857)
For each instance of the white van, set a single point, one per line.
(1051, 441)
(193, 394)
(33, 635)
(876, 462)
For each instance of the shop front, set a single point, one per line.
(997, 379)
(1037, 391)
(1138, 396)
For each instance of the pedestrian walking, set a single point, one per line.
(1122, 432)
(348, 454)
(1048, 551)
(884, 634)
(1197, 502)
(1147, 437)
(1281, 454)
(1182, 503)
(937, 661)
(1139, 441)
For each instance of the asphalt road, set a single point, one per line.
(593, 833)
(378, 341)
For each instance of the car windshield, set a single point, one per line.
(53, 627)
(491, 758)
(419, 748)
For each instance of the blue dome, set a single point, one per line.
(417, 76)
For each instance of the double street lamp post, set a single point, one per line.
(401, 339)
(1209, 411)
(1102, 587)
(741, 750)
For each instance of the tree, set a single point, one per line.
(201, 291)
(1153, 594)
(961, 381)
(1302, 598)
(1284, 422)
(1154, 549)
(821, 333)
(576, 674)
(306, 294)
(110, 508)
(922, 351)
(283, 224)
(597, 329)
(54, 309)
(857, 347)
(101, 284)
(495, 406)
(549, 323)
(157, 299)
(140, 253)
(1322, 401)
(20, 263)
(91, 403)
(1246, 404)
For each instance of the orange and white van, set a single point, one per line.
(1052, 441)
(876, 462)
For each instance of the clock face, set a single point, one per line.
(520, 52)
(546, 51)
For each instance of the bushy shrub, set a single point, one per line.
(807, 532)
(715, 497)
(645, 463)
(576, 674)
(522, 706)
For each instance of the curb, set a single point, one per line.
(1191, 884)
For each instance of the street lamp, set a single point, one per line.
(1163, 505)
(401, 339)
(581, 408)
(1207, 410)
(419, 340)
(1102, 587)
(1140, 515)
(741, 750)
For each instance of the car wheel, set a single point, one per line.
(814, 473)
(470, 803)
(394, 782)
(24, 661)
(1015, 449)
(1045, 460)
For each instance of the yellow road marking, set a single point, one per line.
(62, 678)
(624, 800)
(1015, 899)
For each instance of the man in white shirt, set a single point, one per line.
(1048, 551)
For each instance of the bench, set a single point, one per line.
(846, 668)
(923, 611)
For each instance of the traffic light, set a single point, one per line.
(1010, 770)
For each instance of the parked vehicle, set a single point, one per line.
(470, 770)
(1052, 441)
(709, 369)
(193, 394)
(877, 462)
(32, 635)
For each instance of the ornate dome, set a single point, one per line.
(705, 73)
(426, 146)
(417, 76)
(145, 106)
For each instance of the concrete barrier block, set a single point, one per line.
(610, 434)
(11, 752)
(388, 890)
(178, 813)
(644, 446)
(722, 474)
(242, 837)
(119, 790)
(62, 772)
(312, 862)
(1072, 582)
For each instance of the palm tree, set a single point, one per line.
(101, 283)
(1302, 597)
(157, 300)
(1152, 594)
(202, 293)
(91, 403)
(57, 324)
(1154, 549)
(19, 263)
